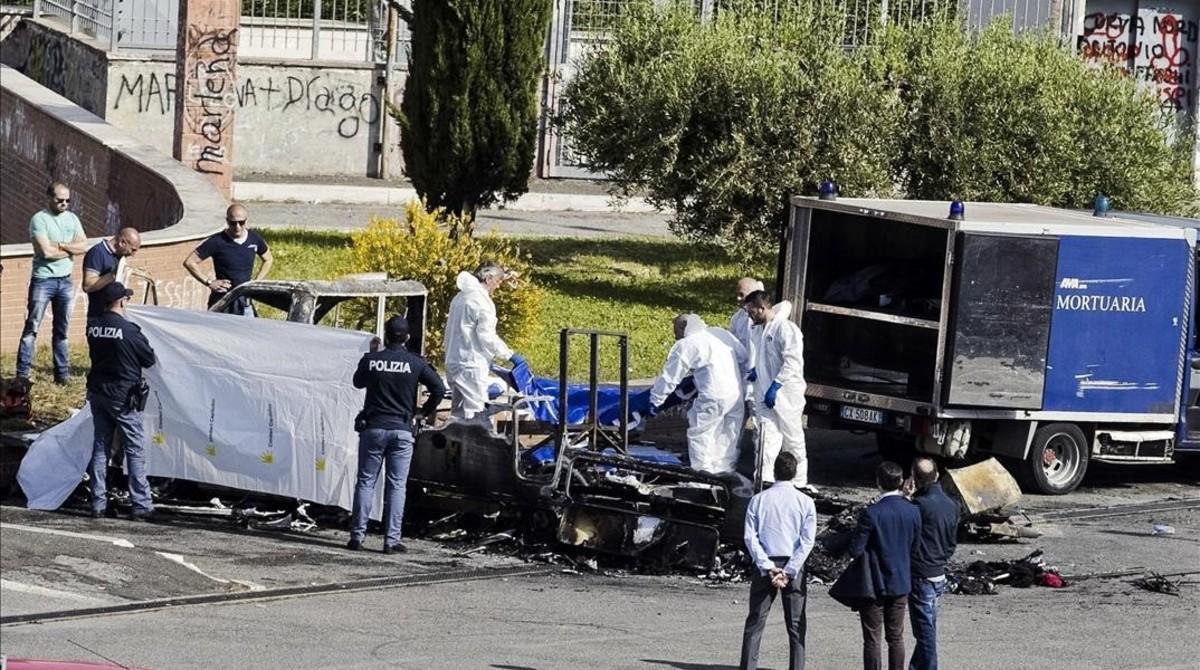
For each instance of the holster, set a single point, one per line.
(139, 393)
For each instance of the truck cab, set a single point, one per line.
(1047, 337)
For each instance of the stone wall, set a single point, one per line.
(115, 181)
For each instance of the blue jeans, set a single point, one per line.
(375, 446)
(59, 293)
(922, 611)
(108, 416)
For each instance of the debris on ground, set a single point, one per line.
(1156, 583)
(981, 577)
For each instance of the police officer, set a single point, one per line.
(116, 394)
(385, 425)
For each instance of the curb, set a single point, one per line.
(398, 196)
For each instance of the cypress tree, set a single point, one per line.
(469, 117)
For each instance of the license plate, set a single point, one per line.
(862, 415)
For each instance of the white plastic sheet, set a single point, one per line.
(252, 404)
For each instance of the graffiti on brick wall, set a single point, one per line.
(209, 94)
(64, 67)
(350, 107)
(24, 139)
(1156, 46)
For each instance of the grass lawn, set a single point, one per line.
(631, 285)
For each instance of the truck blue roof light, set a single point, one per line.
(957, 211)
(1100, 205)
(829, 190)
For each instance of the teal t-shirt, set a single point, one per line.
(61, 228)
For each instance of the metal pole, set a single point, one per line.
(389, 39)
(75, 6)
(112, 26)
(37, 8)
(623, 342)
(594, 387)
(316, 30)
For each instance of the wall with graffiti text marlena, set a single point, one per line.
(287, 119)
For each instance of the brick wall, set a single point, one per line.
(115, 181)
(108, 189)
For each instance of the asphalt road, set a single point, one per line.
(477, 615)
(509, 222)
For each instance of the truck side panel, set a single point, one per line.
(1119, 325)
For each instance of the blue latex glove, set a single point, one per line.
(518, 359)
(772, 394)
(753, 376)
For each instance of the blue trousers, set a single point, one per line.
(376, 447)
(922, 611)
(58, 293)
(109, 416)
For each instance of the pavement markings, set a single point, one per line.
(368, 584)
(177, 558)
(35, 590)
(116, 541)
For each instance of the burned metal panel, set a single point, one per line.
(467, 458)
(643, 536)
(1001, 321)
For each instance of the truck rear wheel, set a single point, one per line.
(1057, 460)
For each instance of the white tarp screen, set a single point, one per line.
(251, 404)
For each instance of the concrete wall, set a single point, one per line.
(77, 69)
(290, 117)
(115, 181)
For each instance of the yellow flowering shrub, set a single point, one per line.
(424, 247)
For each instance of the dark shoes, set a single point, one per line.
(357, 545)
(148, 517)
(62, 381)
(107, 513)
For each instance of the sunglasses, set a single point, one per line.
(62, 200)
(236, 222)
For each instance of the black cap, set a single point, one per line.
(113, 292)
(396, 327)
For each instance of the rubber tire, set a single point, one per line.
(1033, 470)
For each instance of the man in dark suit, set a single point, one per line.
(931, 553)
(887, 530)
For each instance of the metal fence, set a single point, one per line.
(328, 30)
(93, 18)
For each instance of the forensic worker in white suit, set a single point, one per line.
(717, 363)
(471, 342)
(778, 378)
(740, 324)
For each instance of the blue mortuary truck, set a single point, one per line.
(1047, 337)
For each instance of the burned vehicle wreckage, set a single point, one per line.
(605, 491)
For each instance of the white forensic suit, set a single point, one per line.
(717, 361)
(471, 343)
(779, 346)
(742, 328)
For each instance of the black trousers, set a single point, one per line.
(762, 597)
(888, 614)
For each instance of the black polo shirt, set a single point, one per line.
(102, 260)
(232, 260)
